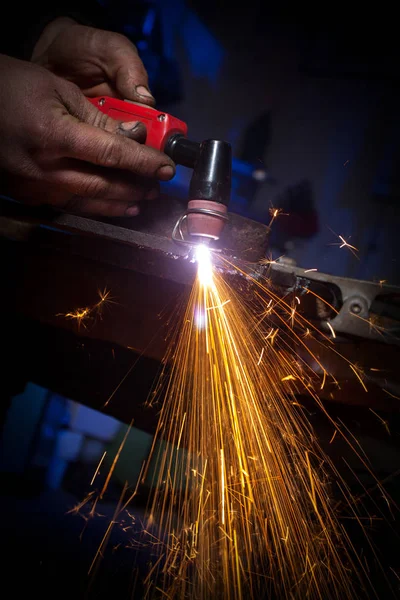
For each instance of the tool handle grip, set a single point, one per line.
(160, 126)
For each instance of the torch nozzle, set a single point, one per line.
(210, 186)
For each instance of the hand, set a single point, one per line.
(57, 148)
(100, 62)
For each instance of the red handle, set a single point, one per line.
(160, 126)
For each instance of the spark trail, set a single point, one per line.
(82, 316)
(241, 504)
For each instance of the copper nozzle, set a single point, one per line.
(206, 218)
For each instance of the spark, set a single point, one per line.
(384, 423)
(107, 481)
(222, 487)
(106, 537)
(163, 593)
(357, 373)
(81, 504)
(98, 467)
(261, 355)
(80, 315)
(105, 299)
(83, 315)
(272, 335)
(262, 499)
(240, 484)
(391, 568)
(130, 369)
(324, 302)
(293, 316)
(270, 261)
(310, 270)
(390, 394)
(220, 306)
(275, 212)
(331, 328)
(345, 244)
(323, 380)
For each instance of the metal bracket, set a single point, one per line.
(354, 316)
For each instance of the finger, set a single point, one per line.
(106, 208)
(96, 144)
(134, 130)
(88, 181)
(102, 89)
(129, 83)
(59, 196)
(91, 144)
(126, 70)
(77, 138)
(84, 110)
(123, 91)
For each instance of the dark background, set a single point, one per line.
(309, 101)
(312, 98)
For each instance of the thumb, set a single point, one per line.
(131, 82)
(123, 66)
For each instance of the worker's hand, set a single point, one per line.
(100, 62)
(57, 148)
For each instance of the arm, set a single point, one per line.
(56, 147)
(101, 63)
(79, 41)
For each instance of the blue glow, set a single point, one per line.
(204, 52)
(200, 318)
(57, 229)
(149, 21)
(239, 167)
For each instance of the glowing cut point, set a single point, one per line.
(204, 271)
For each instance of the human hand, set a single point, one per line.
(58, 149)
(101, 63)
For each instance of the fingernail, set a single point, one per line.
(143, 91)
(132, 211)
(166, 172)
(130, 125)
